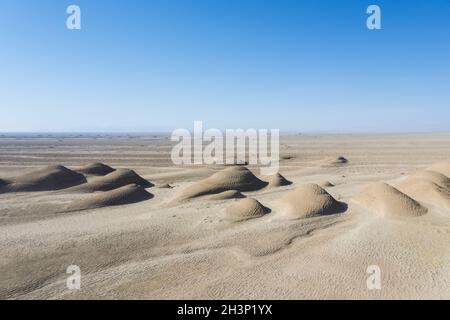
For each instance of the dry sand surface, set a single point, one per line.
(141, 228)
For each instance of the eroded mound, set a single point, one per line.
(426, 190)
(309, 200)
(432, 176)
(124, 195)
(98, 169)
(385, 199)
(233, 178)
(337, 161)
(325, 184)
(113, 180)
(441, 167)
(245, 209)
(55, 177)
(277, 180)
(229, 194)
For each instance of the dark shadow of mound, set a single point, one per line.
(340, 207)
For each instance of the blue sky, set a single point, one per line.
(308, 66)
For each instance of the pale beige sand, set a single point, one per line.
(245, 209)
(123, 195)
(159, 248)
(232, 178)
(277, 180)
(383, 198)
(306, 201)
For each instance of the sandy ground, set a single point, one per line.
(162, 249)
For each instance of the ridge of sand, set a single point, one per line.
(325, 184)
(441, 167)
(131, 193)
(433, 176)
(427, 186)
(113, 180)
(53, 177)
(99, 169)
(385, 199)
(277, 180)
(232, 178)
(229, 194)
(245, 209)
(307, 201)
(426, 191)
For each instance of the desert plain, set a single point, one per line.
(139, 227)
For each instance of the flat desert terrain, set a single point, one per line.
(140, 227)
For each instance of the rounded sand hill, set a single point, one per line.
(433, 176)
(308, 200)
(113, 180)
(325, 184)
(428, 187)
(277, 180)
(124, 195)
(50, 178)
(245, 209)
(441, 167)
(98, 169)
(233, 178)
(385, 199)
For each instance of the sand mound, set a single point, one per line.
(383, 198)
(337, 161)
(54, 177)
(233, 178)
(308, 201)
(245, 209)
(325, 184)
(113, 180)
(427, 192)
(277, 180)
(124, 195)
(441, 167)
(98, 169)
(422, 188)
(230, 194)
(432, 176)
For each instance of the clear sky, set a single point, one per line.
(158, 65)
